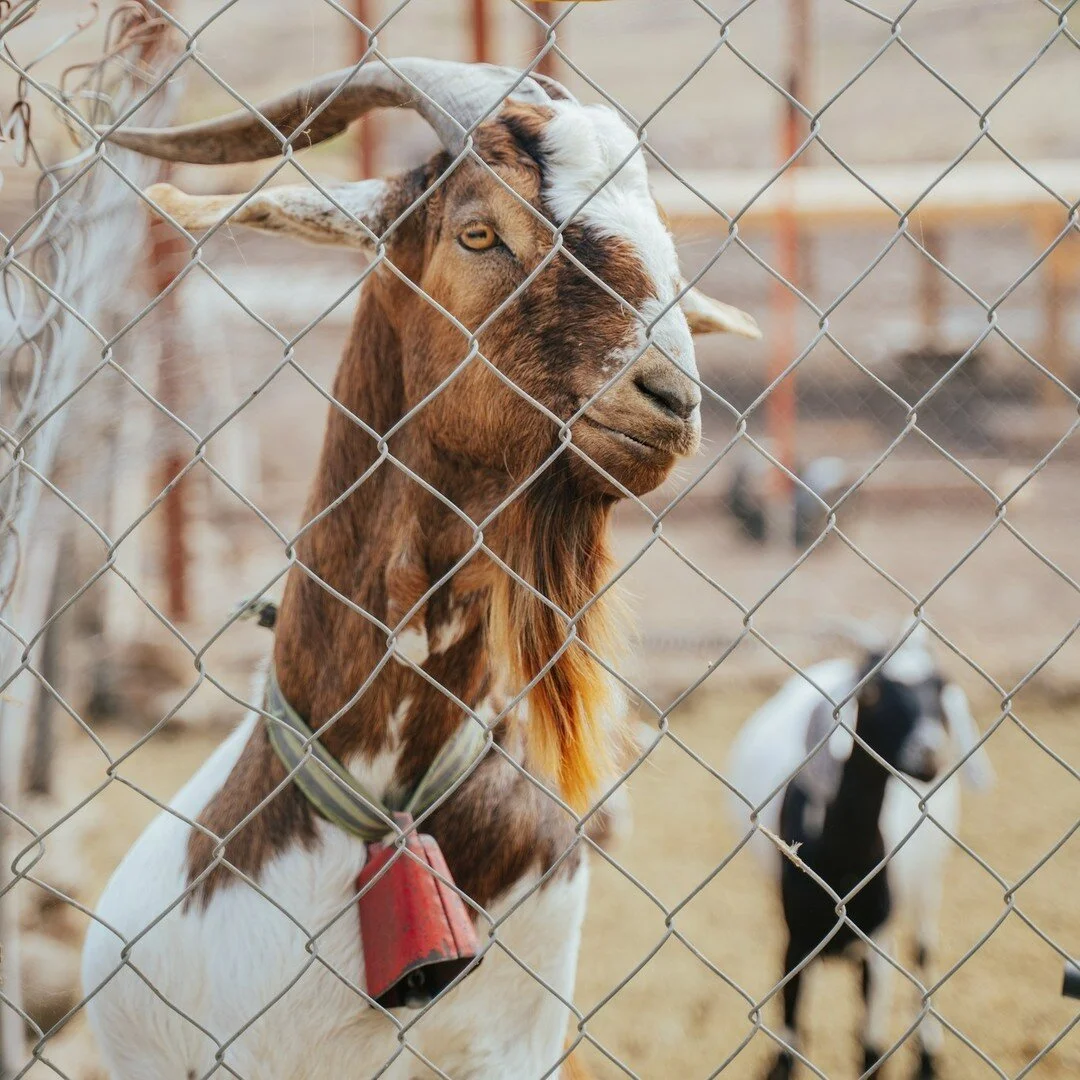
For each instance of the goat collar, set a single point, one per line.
(337, 795)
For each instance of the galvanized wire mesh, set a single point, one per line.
(64, 268)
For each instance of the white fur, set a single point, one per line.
(875, 1030)
(449, 633)
(412, 644)
(976, 769)
(584, 146)
(912, 662)
(790, 1038)
(375, 773)
(223, 964)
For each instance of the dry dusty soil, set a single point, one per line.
(676, 1018)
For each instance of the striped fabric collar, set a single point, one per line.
(342, 799)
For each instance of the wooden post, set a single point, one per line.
(931, 299)
(781, 406)
(167, 250)
(546, 10)
(481, 31)
(367, 147)
(1056, 274)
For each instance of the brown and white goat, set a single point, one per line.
(585, 389)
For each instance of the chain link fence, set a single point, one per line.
(892, 192)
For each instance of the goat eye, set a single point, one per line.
(478, 237)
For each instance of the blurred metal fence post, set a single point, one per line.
(367, 147)
(480, 21)
(930, 292)
(31, 608)
(40, 751)
(167, 251)
(781, 405)
(1056, 275)
(545, 9)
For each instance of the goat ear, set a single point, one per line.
(708, 316)
(976, 770)
(349, 215)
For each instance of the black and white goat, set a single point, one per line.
(852, 804)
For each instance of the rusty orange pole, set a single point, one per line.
(167, 252)
(780, 404)
(781, 407)
(481, 31)
(367, 147)
(931, 291)
(1052, 353)
(546, 11)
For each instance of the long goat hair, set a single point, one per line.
(576, 727)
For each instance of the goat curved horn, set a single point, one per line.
(449, 95)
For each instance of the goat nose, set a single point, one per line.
(669, 389)
(928, 761)
(922, 762)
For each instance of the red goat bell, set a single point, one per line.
(416, 931)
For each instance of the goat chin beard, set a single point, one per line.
(631, 461)
(576, 730)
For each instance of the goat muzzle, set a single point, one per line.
(652, 413)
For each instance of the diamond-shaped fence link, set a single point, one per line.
(856, 597)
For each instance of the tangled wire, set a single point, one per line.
(42, 260)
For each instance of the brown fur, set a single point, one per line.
(565, 559)
(387, 540)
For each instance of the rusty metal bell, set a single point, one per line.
(416, 932)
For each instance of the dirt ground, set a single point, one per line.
(675, 1018)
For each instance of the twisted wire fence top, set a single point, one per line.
(67, 311)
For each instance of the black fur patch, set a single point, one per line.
(927, 1070)
(871, 1057)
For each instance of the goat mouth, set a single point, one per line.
(638, 459)
(923, 771)
(923, 775)
(661, 444)
(625, 436)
